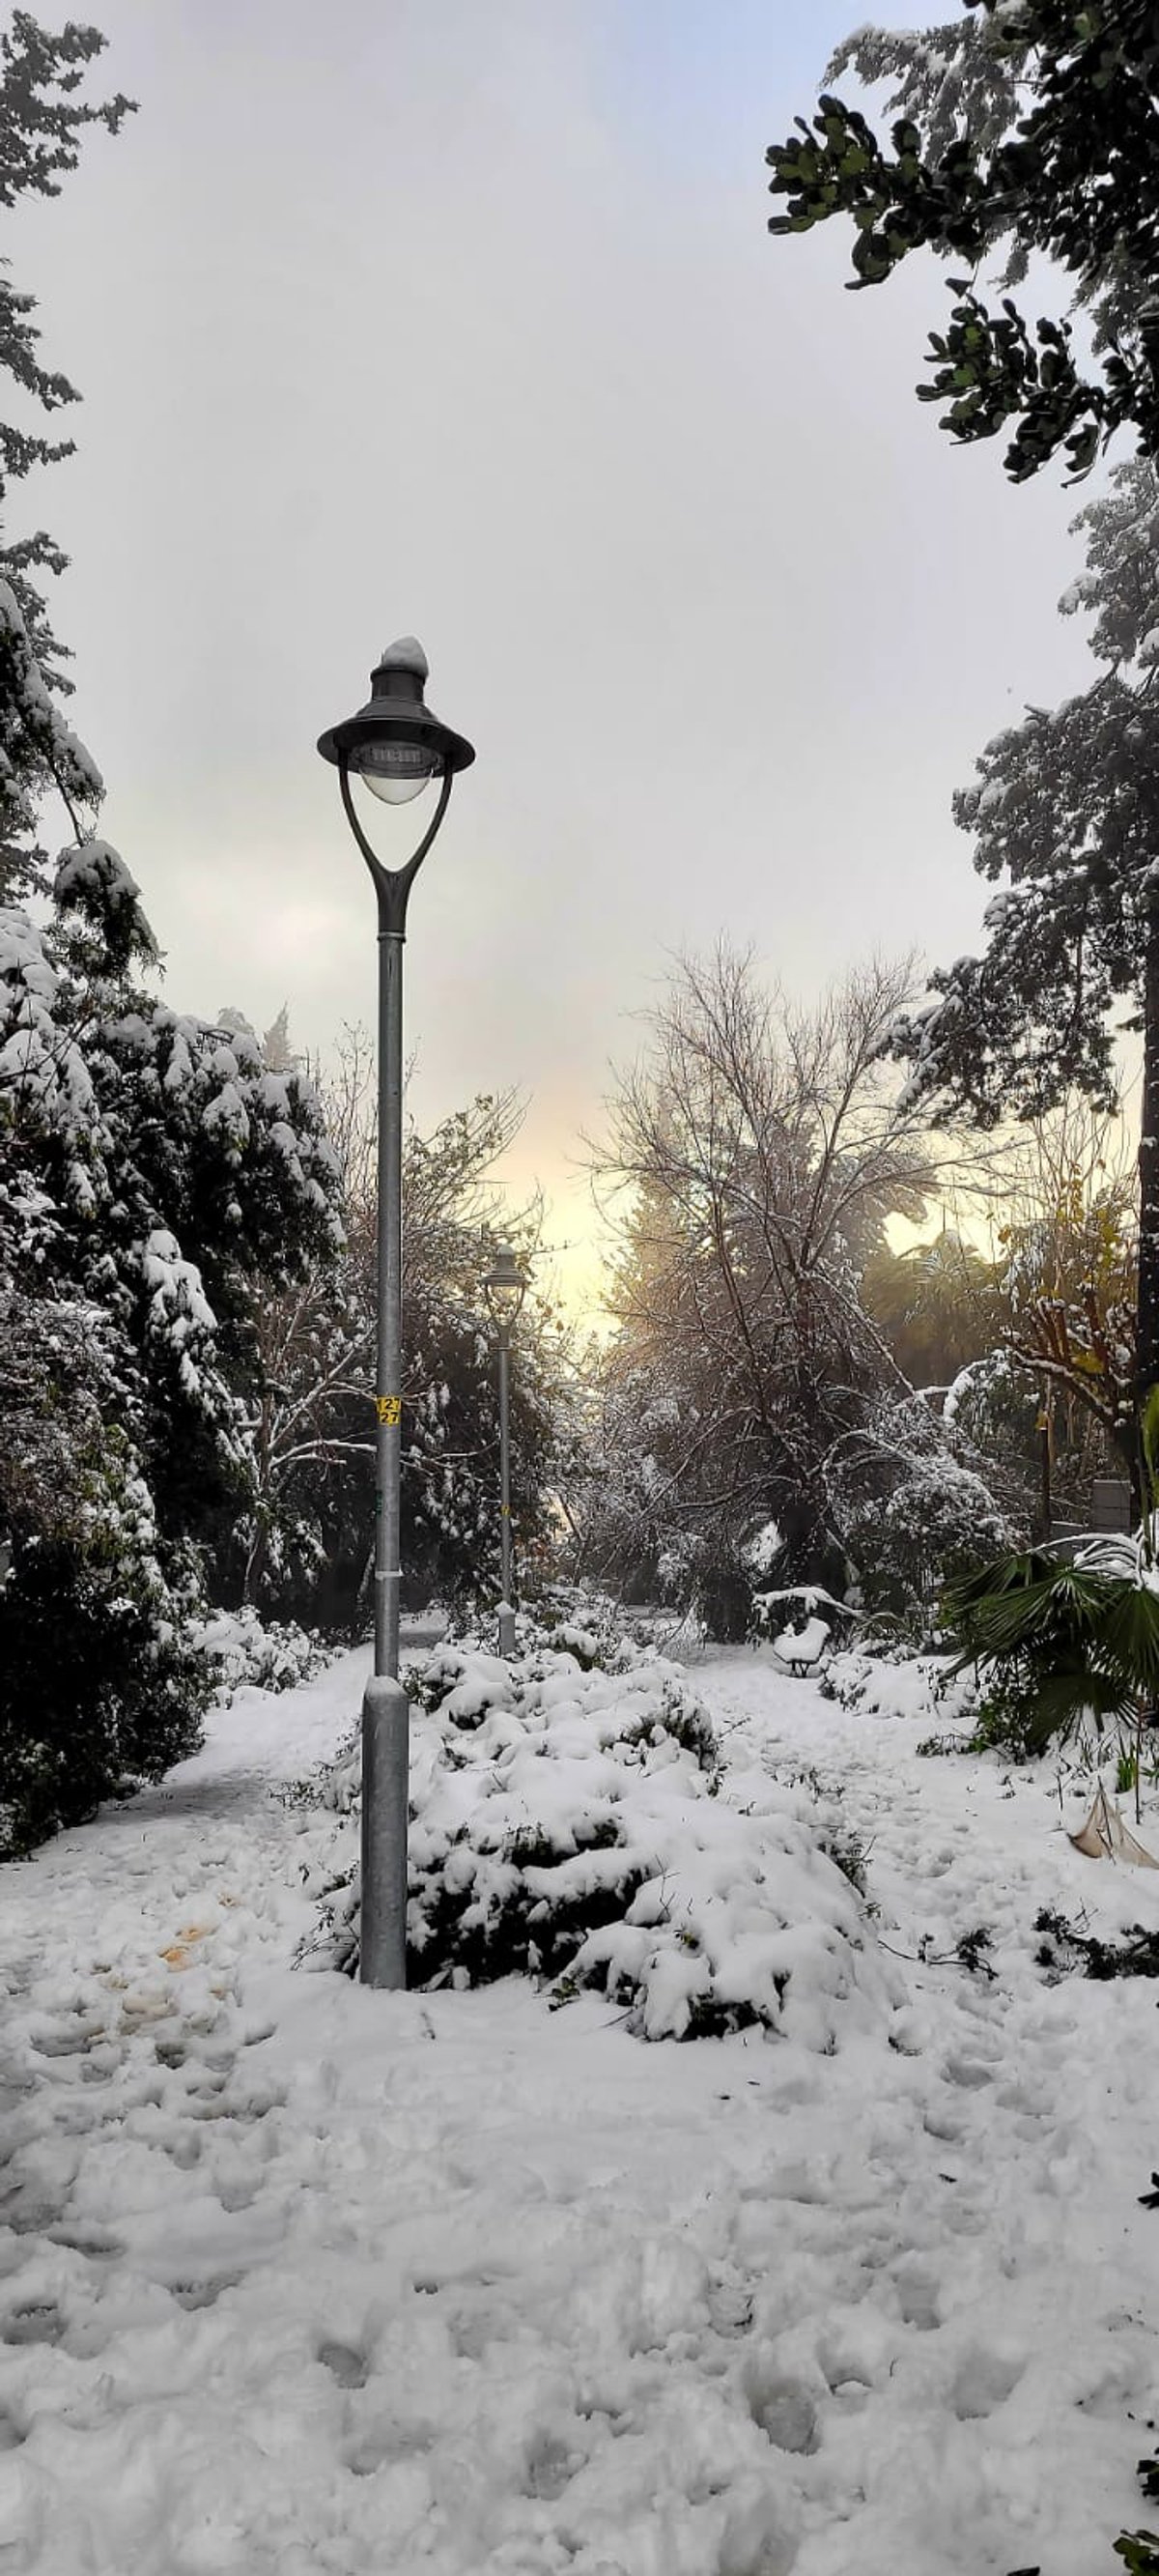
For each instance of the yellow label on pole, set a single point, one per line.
(389, 1410)
(505, 1509)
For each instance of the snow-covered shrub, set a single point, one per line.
(567, 1619)
(101, 1682)
(901, 1685)
(245, 1652)
(580, 1620)
(936, 1523)
(582, 1828)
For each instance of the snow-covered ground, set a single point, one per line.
(295, 2277)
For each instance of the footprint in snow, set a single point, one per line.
(65, 2042)
(982, 2382)
(345, 2363)
(204, 2294)
(942, 2125)
(89, 2241)
(968, 2072)
(550, 2468)
(917, 2300)
(42, 2323)
(780, 2405)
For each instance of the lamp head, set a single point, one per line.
(504, 1287)
(396, 743)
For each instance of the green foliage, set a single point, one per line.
(1072, 171)
(1126, 1770)
(938, 1306)
(1056, 1642)
(148, 1166)
(100, 1680)
(1139, 2551)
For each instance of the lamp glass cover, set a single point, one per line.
(505, 1288)
(396, 771)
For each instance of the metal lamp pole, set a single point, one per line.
(398, 747)
(504, 1288)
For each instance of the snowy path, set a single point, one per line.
(295, 2278)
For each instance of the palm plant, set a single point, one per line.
(1066, 1641)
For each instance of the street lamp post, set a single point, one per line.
(397, 747)
(504, 1288)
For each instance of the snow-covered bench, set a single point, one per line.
(801, 1649)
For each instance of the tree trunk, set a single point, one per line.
(1044, 1424)
(1147, 1339)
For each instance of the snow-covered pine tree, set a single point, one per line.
(151, 1171)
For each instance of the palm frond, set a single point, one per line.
(1064, 1640)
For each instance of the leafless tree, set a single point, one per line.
(760, 1148)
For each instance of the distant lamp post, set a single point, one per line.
(504, 1288)
(397, 747)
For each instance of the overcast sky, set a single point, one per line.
(460, 317)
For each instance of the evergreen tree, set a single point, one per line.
(43, 121)
(1060, 156)
(151, 1170)
(1065, 815)
(1057, 153)
(936, 1306)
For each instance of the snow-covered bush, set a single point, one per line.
(900, 1685)
(245, 1652)
(934, 1523)
(578, 1619)
(567, 1618)
(101, 1682)
(581, 1827)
